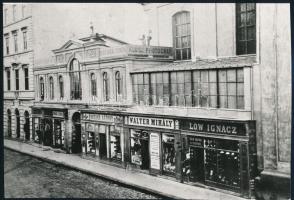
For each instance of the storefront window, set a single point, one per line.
(140, 148)
(91, 147)
(48, 132)
(222, 162)
(168, 154)
(59, 133)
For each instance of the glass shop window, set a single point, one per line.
(168, 153)
(91, 146)
(222, 162)
(115, 148)
(59, 133)
(140, 148)
(37, 135)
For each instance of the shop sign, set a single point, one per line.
(102, 118)
(154, 151)
(90, 127)
(37, 111)
(151, 122)
(194, 141)
(227, 128)
(58, 114)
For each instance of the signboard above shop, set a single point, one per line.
(151, 122)
(215, 127)
(102, 118)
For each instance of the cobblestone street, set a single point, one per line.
(28, 177)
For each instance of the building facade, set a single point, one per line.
(206, 102)
(18, 70)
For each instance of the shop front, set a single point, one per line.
(102, 136)
(153, 144)
(49, 126)
(219, 153)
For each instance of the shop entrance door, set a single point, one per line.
(76, 134)
(197, 164)
(102, 147)
(145, 154)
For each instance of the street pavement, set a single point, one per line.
(28, 177)
(153, 184)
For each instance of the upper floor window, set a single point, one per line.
(61, 87)
(51, 87)
(42, 88)
(246, 28)
(75, 80)
(25, 39)
(8, 79)
(105, 87)
(14, 12)
(5, 16)
(7, 44)
(15, 41)
(26, 75)
(182, 35)
(93, 85)
(118, 85)
(216, 88)
(16, 79)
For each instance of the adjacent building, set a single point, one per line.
(205, 100)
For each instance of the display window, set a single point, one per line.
(168, 153)
(59, 133)
(102, 141)
(140, 148)
(91, 144)
(222, 162)
(48, 132)
(115, 148)
(37, 130)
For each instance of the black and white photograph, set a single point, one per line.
(147, 100)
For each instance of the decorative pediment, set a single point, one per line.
(71, 44)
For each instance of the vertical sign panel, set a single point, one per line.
(154, 151)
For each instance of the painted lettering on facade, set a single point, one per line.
(57, 114)
(102, 118)
(151, 122)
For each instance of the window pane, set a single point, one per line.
(250, 6)
(213, 101)
(240, 102)
(178, 54)
(222, 76)
(251, 33)
(243, 6)
(180, 77)
(243, 19)
(223, 101)
(212, 89)
(222, 88)
(204, 89)
(204, 76)
(140, 78)
(185, 54)
(232, 102)
(158, 78)
(251, 47)
(231, 75)
(240, 75)
(241, 48)
(232, 89)
(212, 76)
(240, 89)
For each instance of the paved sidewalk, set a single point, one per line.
(143, 181)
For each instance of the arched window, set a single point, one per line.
(93, 85)
(51, 87)
(17, 120)
(105, 87)
(182, 35)
(9, 130)
(27, 125)
(61, 90)
(75, 80)
(118, 85)
(42, 88)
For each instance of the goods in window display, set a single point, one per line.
(169, 158)
(91, 143)
(115, 147)
(140, 149)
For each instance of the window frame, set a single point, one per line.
(180, 26)
(93, 84)
(239, 26)
(16, 79)
(61, 87)
(118, 85)
(105, 86)
(75, 80)
(14, 33)
(25, 39)
(51, 87)
(6, 44)
(26, 77)
(8, 77)
(42, 89)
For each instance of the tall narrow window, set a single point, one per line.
(246, 28)
(25, 42)
(7, 44)
(182, 35)
(15, 41)
(93, 85)
(5, 16)
(75, 80)
(105, 87)
(42, 88)
(17, 120)
(26, 74)
(118, 85)
(61, 87)
(51, 87)
(16, 79)
(14, 12)
(8, 79)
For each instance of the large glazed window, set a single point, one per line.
(246, 28)
(8, 79)
(26, 73)
(105, 87)
(61, 89)
(75, 80)
(118, 86)
(9, 129)
(182, 35)
(17, 79)
(93, 85)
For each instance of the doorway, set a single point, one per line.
(145, 154)
(27, 125)
(197, 164)
(102, 147)
(76, 134)
(17, 119)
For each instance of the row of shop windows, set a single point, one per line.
(75, 85)
(26, 127)
(223, 88)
